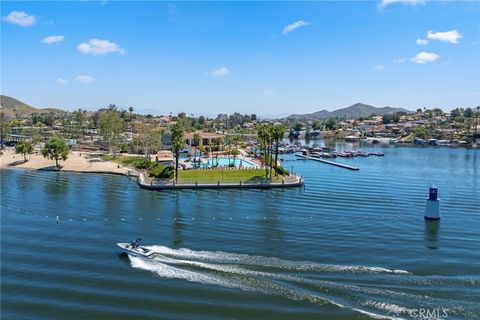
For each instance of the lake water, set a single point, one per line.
(351, 245)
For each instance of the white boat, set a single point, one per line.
(135, 249)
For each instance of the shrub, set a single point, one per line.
(282, 171)
(141, 163)
(162, 172)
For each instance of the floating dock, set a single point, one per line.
(341, 165)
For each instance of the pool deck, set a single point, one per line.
(251, 163)
(291, 181)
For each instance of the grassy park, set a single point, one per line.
(224, 176)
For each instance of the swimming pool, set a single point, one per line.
(223, 162)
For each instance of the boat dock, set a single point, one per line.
(341, 165)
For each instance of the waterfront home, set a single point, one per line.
(206, 138)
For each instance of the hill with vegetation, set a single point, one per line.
(11, 106)
(358, 110)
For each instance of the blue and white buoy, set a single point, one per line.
(432, 210)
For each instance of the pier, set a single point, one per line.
(341, 165)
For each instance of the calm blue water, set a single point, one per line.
(351, 245)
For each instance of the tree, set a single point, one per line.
(278, 133)
(454, 113)
(149, 137)
(111, 128)
(253, 116)
(316, 125)
(178, 142)
(468, 113)
(4, 128)
(331, 124)
(297, 127)
(56, 149)
(24, 147)
(390, 118)
(216, 143)
(234, 152)
(196, 142)
(264, 138)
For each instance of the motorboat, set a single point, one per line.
(134, 248)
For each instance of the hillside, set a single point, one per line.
(11, 105)
(355, 111)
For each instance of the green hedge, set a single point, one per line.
(165, 172)
(282, 171)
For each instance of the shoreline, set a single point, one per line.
(79, 162)
(294, 181)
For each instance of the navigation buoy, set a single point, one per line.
(432, 210)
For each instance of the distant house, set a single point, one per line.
(163, 120)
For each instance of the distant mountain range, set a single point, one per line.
(11, 105)
(358, 110)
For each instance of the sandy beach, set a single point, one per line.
(76, 162)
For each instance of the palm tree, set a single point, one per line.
(263, 139)
(229, 149)
(178, 142)
(217, 142)
(278, 133)
(209, 150)
(195, 141)
(234, 152)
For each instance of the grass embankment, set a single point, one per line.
(224, 176)
(136, 162)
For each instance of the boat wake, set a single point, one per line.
(374, 291)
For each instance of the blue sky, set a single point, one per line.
(252, 57)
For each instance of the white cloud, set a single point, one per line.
(451, 36)
(421, 42)
(294, 26)
(385, 3)
(424, 57)
(220, 72)
(399, 60)
(98, 47)
(20, 18)
(379, 67)
(84, 79)
(62, 81)
(53, 39)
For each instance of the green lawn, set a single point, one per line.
(224, 176)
